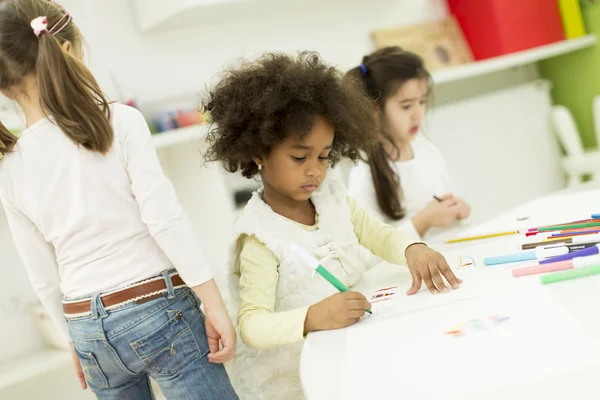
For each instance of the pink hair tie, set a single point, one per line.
(56, 29)
(39, 25)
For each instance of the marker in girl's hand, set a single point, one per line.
(319, 269)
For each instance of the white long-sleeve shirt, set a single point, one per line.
(84, 223)
(421, 178)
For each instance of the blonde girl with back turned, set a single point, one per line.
(105, 242)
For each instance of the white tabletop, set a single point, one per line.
(548, 348)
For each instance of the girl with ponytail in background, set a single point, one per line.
(405, 181)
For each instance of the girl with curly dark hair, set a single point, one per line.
(288, 120)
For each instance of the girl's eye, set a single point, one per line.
(299, 159)
(324, 158)
(406, 108)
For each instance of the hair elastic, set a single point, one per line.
(54, 30)
(363, 69)
(40, 24)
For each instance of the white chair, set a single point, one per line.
(577, 161)
(596, 111)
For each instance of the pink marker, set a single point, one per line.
(557, 266)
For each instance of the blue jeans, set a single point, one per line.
(164, 338)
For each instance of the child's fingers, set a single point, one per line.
(359, 305)
(448, 274)
(222, 356)
(81, 378)
(351, 296)
(436, 276)
(213, 345)
(354, 314)
(416, 283)
(219, 357)
(426, 275)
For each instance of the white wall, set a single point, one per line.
(159, 65)
(499, 147)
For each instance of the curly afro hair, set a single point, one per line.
(260, 103)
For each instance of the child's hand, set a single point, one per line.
(428, 265)
(78, 368)
(335, 312)
(442, 213)
(437, 214)
(221, 336)
(464, 210)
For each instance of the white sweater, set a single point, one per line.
(86, 223)
(274, 373)
(421, 178)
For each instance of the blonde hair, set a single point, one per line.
(68, 91)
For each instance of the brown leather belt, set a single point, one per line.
(125, 295)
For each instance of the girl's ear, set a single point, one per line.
(378, 111)
(67, 46)
(258, 161)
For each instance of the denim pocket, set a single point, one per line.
(93, 374)
(169, 348)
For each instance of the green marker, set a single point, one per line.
(572, 226)
(319, 269)
(574, 273)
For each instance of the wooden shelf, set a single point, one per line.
(496, 64)
(179, 136)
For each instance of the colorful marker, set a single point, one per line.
(574, 233)
(590, 251)
(540, 253)
(319, 269)
(578, 262)
(570, 274)
(591, 238)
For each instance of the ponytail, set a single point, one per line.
(387, 184)
(380, 75)
(8, 140)
(71, 95)
(385, 179)
(32, 35)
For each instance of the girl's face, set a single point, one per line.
(294, 169)
(404, 111)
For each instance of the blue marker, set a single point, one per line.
(590, 251)
(540, 253)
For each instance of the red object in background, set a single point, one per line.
(497, 27)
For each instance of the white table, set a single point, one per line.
(389, 355)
